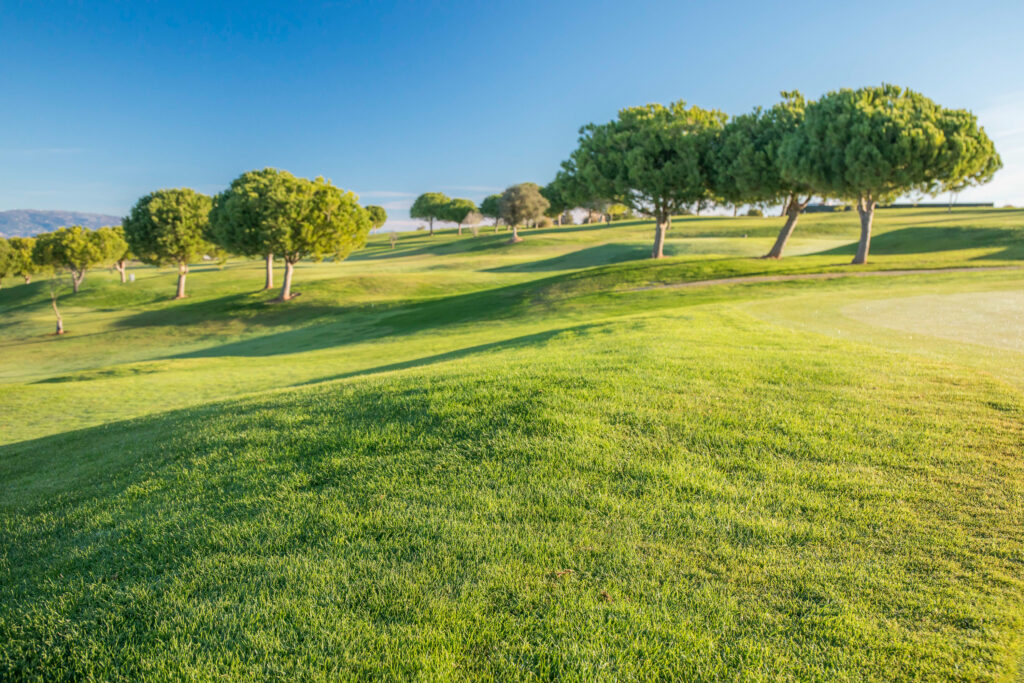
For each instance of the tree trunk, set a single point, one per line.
(121, 265)
(496, 221)
(866, 209)
(286, 290)
(794, 207)
(28, 279)
(660, 230)
(515, 235)
(735, 210)
(269, 282)
(431, 227)
(56, 312)
(182, 272)
(76, 280)
(460, 229)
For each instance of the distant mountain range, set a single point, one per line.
(28, 222)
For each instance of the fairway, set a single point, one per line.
(466, 459)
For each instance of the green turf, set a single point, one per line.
(466, 459)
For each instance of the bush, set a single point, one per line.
(754, 211)
(545, 222)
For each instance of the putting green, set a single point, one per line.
(994, 318)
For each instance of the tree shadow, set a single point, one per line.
(922, 240)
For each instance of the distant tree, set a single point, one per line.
(319, 220)
(74, 249)
(169, 227)
(394, 239)
(521, 204)
(754, 211)
(874, 144)
(377, 215)
(22, 264)
(6, 260)
(457, 210)
(491, 208)
(747, 167)
(245, 218)
(430, 206)
(651, 158)
(473, 219)
(558, 204)
(114, 248)
(617, 212)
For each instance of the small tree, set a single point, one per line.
(491, 208)
(473, 219)
(319, 220)
(651, 158)
(22, 263)
(393, 239)
(169, 227)
(558, 204)
(457, 210)
(6, 259)
(430, 206)
(114, 248)
(377, 215)
(51, 253)
(520, 204)
(874, 144)
(74, 249)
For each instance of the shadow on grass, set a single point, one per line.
(501, 345)
(931, 239)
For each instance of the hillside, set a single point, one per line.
(28, 222)
(462, 459)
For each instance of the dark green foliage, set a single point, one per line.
(653, 159)
(168, 227)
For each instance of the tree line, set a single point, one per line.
(866, 146)
(267, 213)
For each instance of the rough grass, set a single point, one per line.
(524, 472)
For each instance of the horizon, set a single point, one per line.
(410, 102)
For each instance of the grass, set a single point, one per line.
(464, 459)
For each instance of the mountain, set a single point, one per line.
(27, 222)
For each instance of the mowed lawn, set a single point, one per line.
(463, 459)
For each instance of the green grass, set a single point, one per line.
(462, 459)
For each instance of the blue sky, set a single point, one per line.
(103, 102)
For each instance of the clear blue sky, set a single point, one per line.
(102, 102)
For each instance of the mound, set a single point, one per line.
(687, 495)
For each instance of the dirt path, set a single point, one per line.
(816, 276)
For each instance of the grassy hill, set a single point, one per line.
(462, 458)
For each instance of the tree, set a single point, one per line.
(617, 212)
(22, 264)
(490, 207)
(318, 220)
(430, 206)
(377, 215)
(169, 227)
(74, 249)
(522, 203)
(114, 248)
(457, 210)
(6, 259)
(874, 144)
(558, 204)
(747, 168)
(651, 158)
(243, 216)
